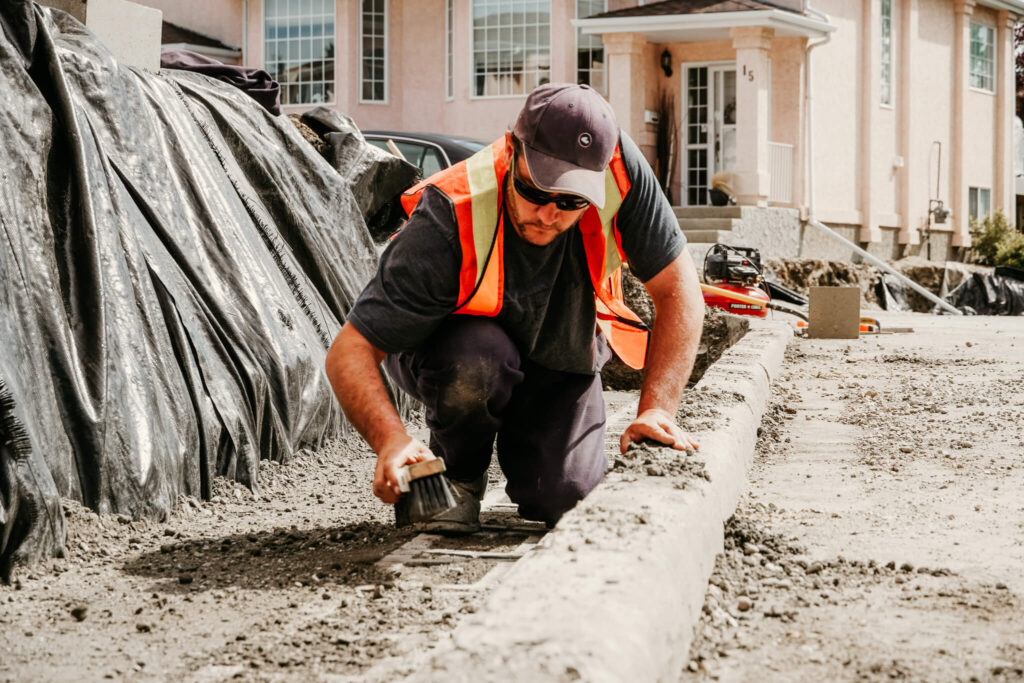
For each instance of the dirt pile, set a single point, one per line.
(802, 274)
(937, 277)
(721, 330)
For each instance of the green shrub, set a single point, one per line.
(994, 242)
(1011, 252)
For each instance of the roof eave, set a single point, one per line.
(801, 24)
(1015, 6)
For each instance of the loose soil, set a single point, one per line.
(882, 535)
(280, 585)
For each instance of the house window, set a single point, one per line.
(886, 94)
(449, 58)
(373, 51)
(511, 46)
(299, 49)
(590, 48)
(979, 202)
(983, 65)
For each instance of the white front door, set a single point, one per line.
(709, 128)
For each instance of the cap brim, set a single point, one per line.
(554, 175)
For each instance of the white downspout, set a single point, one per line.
(809, 114)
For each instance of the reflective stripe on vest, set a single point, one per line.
(474, 186)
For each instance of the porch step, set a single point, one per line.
(707, 212)
(708, 236)
(688, 224)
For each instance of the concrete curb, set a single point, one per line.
(615, 591)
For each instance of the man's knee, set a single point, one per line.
(553, 499)
(472, 362)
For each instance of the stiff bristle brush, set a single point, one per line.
(428, 489)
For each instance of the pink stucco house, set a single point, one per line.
(863, 113)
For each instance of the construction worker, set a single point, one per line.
(496, 304)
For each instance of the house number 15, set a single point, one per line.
(748, 73)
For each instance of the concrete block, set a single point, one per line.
(834, 313)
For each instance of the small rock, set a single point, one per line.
(750, 549)
(743, 603)
(143, 628)
(906, 567)
(79, 612)
(815, 568)
(906, 449)
(185, 579)
(1001, 586)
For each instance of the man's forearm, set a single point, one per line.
(352, 367)
(678, 325)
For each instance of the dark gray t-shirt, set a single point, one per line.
(548, 303)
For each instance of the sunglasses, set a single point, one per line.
(563, 202)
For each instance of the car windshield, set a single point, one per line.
(471, 145)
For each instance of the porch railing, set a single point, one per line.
(780, 166)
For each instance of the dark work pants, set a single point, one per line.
(475, 385)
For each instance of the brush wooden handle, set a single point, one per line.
(418, 470)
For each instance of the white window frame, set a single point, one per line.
(990, 76)
(974, 195)
(270, 68)
(449, 48)
(472, 56)
(387, 48)
(885, 95)
(604, 69)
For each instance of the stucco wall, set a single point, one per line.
(980, 108)
(835, 90)
(885, 140)
(930, 106)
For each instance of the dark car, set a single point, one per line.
(432, 153)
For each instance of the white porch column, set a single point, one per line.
(627, 80)
(958, 191)
(753, 182)
(869, 99)
(1002, 175)
(910, 223)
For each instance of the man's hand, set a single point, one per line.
(403, 450)
(352, 364)
(658, 425)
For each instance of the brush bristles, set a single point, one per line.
(429, 497)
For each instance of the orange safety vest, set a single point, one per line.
(475, 188)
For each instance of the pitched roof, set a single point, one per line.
(667, 7)
(174, 34)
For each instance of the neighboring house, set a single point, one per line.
(180, 38)
(862, 113)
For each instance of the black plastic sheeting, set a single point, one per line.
(377, 178)
(174, 263)
(997, 293)
(891, 293)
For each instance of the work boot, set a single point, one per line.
(464, 518)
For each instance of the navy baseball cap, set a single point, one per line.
(568, 133)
